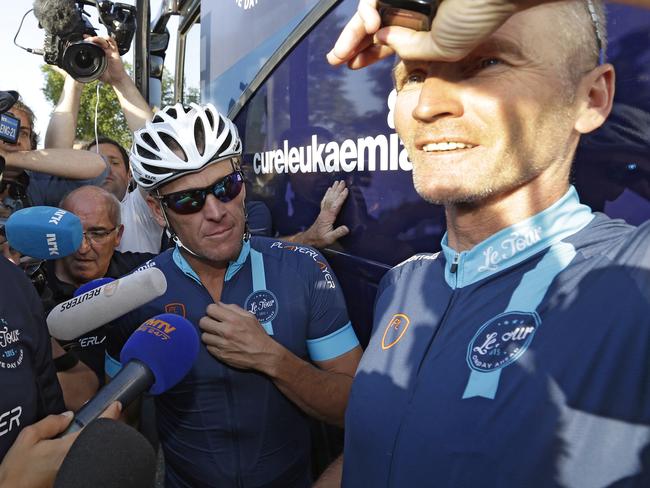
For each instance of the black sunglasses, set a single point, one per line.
(191, 201)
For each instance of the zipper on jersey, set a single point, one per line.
(454, 264)
(452, 299)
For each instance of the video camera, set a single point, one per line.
(66, 23)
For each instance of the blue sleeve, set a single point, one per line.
(44, 189)
(330, 331)
(117, 333)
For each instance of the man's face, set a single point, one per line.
(216, 231)
(493, 121)
(101, 237)
(24, 137)
(117, 180)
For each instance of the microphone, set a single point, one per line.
(96, 307)
(156, 357)
(130, 463)
(44, 232)
(57, 17)
(91, 285)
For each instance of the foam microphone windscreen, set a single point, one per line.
(91, 285)
(99, 306)
(168, 344)
(44, 232)
(58, 17)
(108, 454)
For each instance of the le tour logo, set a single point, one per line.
(509, 247)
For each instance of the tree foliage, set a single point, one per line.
(110, 120)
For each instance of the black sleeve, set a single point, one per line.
(50, 396)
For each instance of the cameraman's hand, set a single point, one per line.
(35, 458)
(458, 27)
(115, 72)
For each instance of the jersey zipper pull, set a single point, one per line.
(454, 264)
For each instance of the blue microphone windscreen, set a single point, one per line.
(91, 285)
(44, 232)
(168, 344)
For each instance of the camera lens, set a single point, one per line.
(84, 61)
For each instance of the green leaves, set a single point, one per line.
(110, 120)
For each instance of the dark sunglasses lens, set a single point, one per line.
(187, 202)
(228, 188)
(192, 201)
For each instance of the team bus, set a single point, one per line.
(305, 125)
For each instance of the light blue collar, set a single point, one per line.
(233, 267)
(516, 243)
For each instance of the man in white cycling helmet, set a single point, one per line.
(276, 339)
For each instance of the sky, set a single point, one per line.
(20, 70)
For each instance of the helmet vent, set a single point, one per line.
(226, 144)
(172, 113)
(154, 169)
(149, 140)
(208, 114)
(157, 118)
(145, 153)
(199, 135)
(173, 146)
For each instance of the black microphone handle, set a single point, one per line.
(132, 380)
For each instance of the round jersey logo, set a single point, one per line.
(502, 340)
(263, 304)
(11, 352)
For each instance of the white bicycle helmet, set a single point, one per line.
(181, 140)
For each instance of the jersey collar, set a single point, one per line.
(233, 267)
(516, 243)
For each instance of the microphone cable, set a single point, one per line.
(28, 49)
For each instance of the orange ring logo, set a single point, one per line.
(399, 323)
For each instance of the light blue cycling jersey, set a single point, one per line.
(521, 363)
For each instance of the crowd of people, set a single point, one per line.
(526, 366)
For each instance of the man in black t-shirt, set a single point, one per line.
(99, 212)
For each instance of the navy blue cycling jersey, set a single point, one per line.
(30, 389)
(225, 427)
(523, 362)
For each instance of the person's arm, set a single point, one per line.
(67, 163)
(63, 122)
(35, 458)
(135, 108)
(235, 337)
(332, 476)
(78, 382)
(322, 232)
(458, 27)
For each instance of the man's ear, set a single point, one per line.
(597, 91)
(120, 232)
(156, 211)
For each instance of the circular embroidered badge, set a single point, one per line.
(502, 340)
(11, 351)
(263, 304)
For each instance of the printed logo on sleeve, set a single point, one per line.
(11, 351)
(502, 340)
(395, 330)
(176, 308)
(263, 304)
